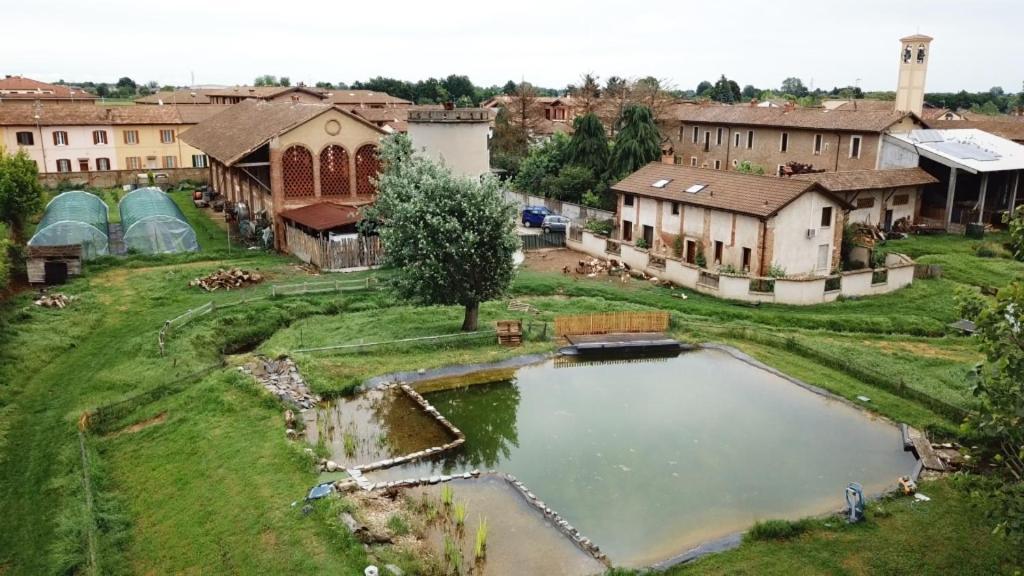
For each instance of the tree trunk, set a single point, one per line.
(470, 323)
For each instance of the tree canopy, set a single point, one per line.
(589, 144)
(637, 142)
(21, 195)
(449, 240)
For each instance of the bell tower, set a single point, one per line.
(914, 54)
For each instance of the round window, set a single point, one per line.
(332, 127)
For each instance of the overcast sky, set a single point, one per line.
(549, 43)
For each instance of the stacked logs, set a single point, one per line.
(227, 279)
(56, 300)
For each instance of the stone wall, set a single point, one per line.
(118, 178)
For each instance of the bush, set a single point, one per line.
(969, 302)
(677, 247)
(1015, 224)
(777, 530)
(702, 261)
(641, 244)
(602, 227)
(776, 271)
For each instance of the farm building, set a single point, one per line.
(74, 218)
(53, 264)
(153, 223)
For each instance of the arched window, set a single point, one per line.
(907, 54)
(367, 167)
(297, 171)
(920, 53)
(334, 171)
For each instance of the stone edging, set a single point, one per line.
(561, 524)
(356, 472)
(450, 371)
(359, 481)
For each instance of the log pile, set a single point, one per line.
(57, 300)
(227, 279)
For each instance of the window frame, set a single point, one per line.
(60, 138)
(718, 136)
(737, 140)
(696, 134)
(860, 145)
(164, 131)
(817, 144)
(99, 137)
(750, 139)
(31, 138)
(718, 164)
(100, 162)
(133, 162)
(675, 208)
(169, 162)
(63, 162)
(134, 137)
(693, 161)
(784, 142)
(204, 163)
(826, 222)
(627, 200)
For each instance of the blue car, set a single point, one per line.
(534, 215)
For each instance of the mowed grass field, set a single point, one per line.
(202, 479)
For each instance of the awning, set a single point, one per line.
(323, 216)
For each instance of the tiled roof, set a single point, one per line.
(184, 96)
(364, 97)
(246, 126)
(90, 114)
(240, 129)
(807, 118)
(864, 104)
(759, 196)
(40, 90)
(1009, 127)
(323, 215)
(868, 179)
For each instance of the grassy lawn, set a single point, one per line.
(959, 260)
(205, 482)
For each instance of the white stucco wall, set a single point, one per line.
(462, 146)
(792, 250)
(884, 200)
(895, 155)
(79, 147)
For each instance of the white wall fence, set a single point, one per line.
(898, 273)
(574, 212)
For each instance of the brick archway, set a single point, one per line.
(297, 171)
(367, 168)
(334, 171)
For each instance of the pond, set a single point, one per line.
(651, 459)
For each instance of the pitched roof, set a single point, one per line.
(364, 97)
(240, 129)
(808, 118)
(970, 149)
(1009, 127)
(865, 104)
(183, 96)
(262, 92)
(248, 125)
(759, 196)
(323, 215)
(89, 114)
(19, 87)
(868, 179)
(917, 38)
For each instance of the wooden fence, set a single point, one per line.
(345, 254)
(611, 322)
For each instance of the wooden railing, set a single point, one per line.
(612, 322)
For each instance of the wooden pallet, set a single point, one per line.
(510, 333)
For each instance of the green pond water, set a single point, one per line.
(652, 459)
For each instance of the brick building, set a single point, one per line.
(300, 164)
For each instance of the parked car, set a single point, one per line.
(553, 223)
(534, 215)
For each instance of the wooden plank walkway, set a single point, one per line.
(616, 338)
(929, 458)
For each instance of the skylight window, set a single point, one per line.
(662, 183)
(696, 188)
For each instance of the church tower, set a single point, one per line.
(914, 53)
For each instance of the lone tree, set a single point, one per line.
(450, 240)
(589, 144)
(637, 143)
(21, 195)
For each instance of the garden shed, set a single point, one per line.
(74, 218)
(153, 223)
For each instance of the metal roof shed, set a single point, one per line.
(972, 151)
(153, 223)
(74, 218)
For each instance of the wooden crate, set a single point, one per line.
(510, 332)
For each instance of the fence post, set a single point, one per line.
(273, 290)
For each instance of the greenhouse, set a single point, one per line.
(74, 217)
(153, 223)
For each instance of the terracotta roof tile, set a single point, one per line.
(759, 196)
(1009, 127)
(809, 118)
(184, 96)
(868, 179)
(364, 97)
(323, 216)
(88, 114)
(40, 90)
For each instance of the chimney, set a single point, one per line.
(753, 102)
(790, 106)
(107, 112)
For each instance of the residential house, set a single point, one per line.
(456, 137)
(72, 138)
(723, 137)
(549, 114)
(877, 197)
(265, 93)
(19, 88)
(307, 167)
(743, 222)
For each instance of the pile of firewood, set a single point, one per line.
(56, 300)
(227, 279)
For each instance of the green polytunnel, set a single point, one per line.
(153, 223)
(74, 217)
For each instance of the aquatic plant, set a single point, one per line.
(452, 555)
(349, 441)
(398, 525)
(460, 514)
(480, 546)
(447, 496)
